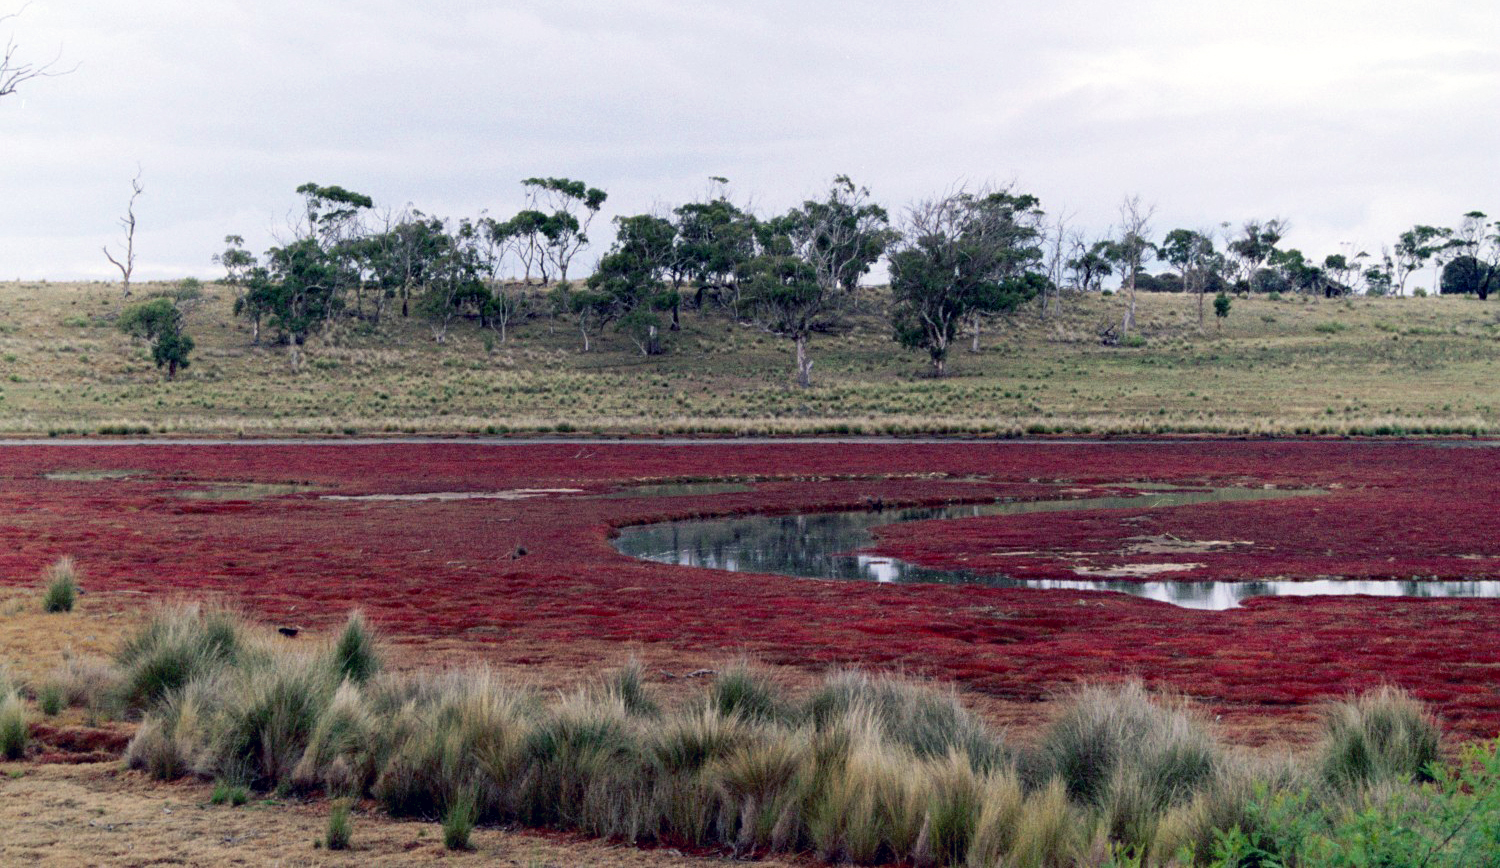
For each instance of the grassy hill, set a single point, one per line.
(1286, 366)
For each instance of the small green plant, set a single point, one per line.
(62, 586)
(226, 793)
(458, 822)
(1222, 304)
(50, 699)
(339, 826)
(15, 728)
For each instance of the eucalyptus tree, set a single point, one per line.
(715, 240)
(160, 322)
(1252, 248)
(454, 284)
(810, 260)
(574, 205)
(629, 279)
(126, 261)
(1192, 254)
(1088, 263)
(1414, 248)
(961, 255)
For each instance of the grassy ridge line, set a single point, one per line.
(1279, 367)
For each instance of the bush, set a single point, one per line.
(267, 719)
(1383, 735)
(62, 586)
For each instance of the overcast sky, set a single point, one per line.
(1354, 120)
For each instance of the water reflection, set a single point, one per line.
(823, 545)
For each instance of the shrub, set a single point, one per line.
(1384, 734)
(339, 826)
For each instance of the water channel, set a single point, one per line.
(826, 546)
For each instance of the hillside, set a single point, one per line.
(1287, 366)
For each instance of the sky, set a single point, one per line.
(1352, 120)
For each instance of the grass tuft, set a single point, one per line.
(62, 586)
(1383, 735)
(355, 654)
(458, 821)
(15, 723)
(340, 826)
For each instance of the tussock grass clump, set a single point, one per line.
(179, 643)
(50, 699)
(267, 718)
(1382, 735)
(61, 586)
(458, 821)
(340, 827)
(746, 694)
(932, 723)
(1107, 739)
(464, 732)
(90, 682)
(588, 769)
(355, 653)
(627, 685)
(15, 723)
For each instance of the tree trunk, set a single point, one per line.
(171, 369)
(1202, 284)
(804, 364)
(1129, 320)
(975, 324)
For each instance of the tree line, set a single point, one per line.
(955, 261)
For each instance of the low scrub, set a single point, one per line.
(61, 586)
(15, 721)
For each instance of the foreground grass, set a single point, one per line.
(1358, 366)
(863, 769)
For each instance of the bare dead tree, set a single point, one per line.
(1055, 258)
(14, 72)
(1135, 250)
(127, 266)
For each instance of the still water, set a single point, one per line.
(825, 546)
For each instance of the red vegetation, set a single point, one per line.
(450, 572)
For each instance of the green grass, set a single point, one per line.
(1383, 366)
(15, 722)
(340, 827)
(62, 586)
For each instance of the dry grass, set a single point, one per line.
(1279, 367)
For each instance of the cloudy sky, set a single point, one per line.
(1354, 120)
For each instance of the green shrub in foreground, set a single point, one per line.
(1384, 734)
